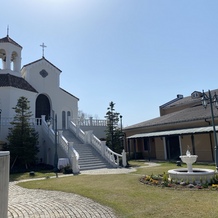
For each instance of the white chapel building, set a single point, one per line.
(39, 82)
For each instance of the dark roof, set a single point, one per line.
(43, 58)
(189, 100)
(185, 115)
(195, 113)
(69, 93)
(8, 80)
(8, 39)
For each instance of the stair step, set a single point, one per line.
(92, 167)
(91, 163)
(89, 158)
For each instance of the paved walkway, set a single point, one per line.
(27, 203)
(51, 204)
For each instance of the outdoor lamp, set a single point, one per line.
(204, 100)
(215, 100)
(48, 122)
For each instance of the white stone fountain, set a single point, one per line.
(189, 174)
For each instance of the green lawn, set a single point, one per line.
(129, 198)
(23, 176)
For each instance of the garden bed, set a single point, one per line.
(163, 181)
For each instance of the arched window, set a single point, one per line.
(63, 119)
(3, 57)
(14, 60)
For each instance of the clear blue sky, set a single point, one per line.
(137, 53)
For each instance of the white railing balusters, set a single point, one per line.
(90, 122)
(71, 153)
(86, 137)
(89, 138)
(77, 131)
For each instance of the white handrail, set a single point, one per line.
(96, 142)
(63, 142)
(86, 137)
(89, 138)
(77, 131)
(70, 152)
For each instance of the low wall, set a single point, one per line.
(98, 131)
(4, 182)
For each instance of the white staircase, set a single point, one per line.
(83, 149)
(89, 158)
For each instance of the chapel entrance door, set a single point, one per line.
(43, 106)
(173, 147)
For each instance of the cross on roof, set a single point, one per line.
(43, 47)
(8, 30)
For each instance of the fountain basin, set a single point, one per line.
(190, 159)
(197, 175)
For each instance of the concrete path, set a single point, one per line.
(27, 203)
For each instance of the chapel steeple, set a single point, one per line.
(10, 56)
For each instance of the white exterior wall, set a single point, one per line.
(49, 86)
(8, 100)
(66, 103)
(9, 97)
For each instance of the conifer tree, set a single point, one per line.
(113, 132)
(22, 137)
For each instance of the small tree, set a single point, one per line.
(22, 137)
(113, 132)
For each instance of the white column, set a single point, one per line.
(74, 159)
(43, 117)
(17, 64)
(69, 152)
(124, 158)
(8, 61)
(88, 135)
(103, 145)
(4, 182)
(60, 134)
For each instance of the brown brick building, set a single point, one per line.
(183, 123)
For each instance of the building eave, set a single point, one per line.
(41, 59)
(7, 39)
